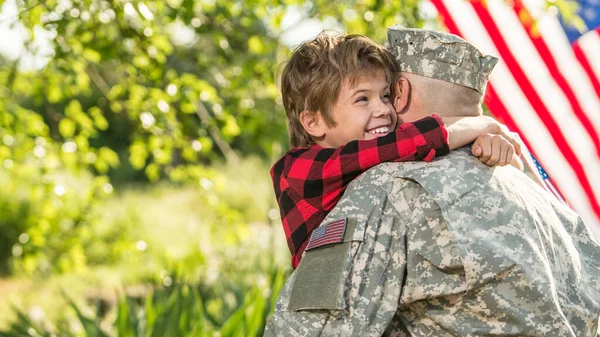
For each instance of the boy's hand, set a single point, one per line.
(493, 150)
(465, 130)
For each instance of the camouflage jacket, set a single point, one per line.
(448, 248)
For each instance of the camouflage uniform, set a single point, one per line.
(447, 248)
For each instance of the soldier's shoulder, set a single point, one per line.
(388, 177)
(383, 173)
(380, 175)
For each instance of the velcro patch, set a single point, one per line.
(330, 233)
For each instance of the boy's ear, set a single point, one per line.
(313, 123)
(401, 95)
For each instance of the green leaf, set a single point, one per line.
(99, 119)
(90, 326)
(255, 45)
(234, 324)
(109, 156)
(231, 128)
(66, 127)
(138, 154)
(92, 55)
(73, 109)
(54, 94)
(126, 321)
(152, 172)
(256, 316)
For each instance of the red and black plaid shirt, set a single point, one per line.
(309, 181)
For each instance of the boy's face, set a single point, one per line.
(363, 111)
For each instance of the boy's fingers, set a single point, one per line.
(513, 138)
(483, 143)
(507, 153)
(516, 144)
(503, 152)
(493, 160)
(517, 148)
(476, 149)
(495, 152)
(510, 154)
(486, 152)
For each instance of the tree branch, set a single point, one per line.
(98, 81)
(214, 132)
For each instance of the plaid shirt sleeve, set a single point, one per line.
(309, 182)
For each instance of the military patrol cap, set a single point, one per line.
(440, 55)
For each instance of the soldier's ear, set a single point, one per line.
(401, 95)
(313, 123)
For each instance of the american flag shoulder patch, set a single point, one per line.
(328, 234)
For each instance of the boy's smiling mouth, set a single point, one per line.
(379, 131)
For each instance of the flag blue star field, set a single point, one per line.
(589, 12)
(546, 86)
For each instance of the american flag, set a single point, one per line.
(546, 86)
(330, 233)
(545, 179)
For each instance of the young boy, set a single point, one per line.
(336, 93)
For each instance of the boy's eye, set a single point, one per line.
(361, 99)
(386, 97)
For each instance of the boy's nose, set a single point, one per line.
(381, 110)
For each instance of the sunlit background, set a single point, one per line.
(136, 139)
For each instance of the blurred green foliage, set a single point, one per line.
(228, 310)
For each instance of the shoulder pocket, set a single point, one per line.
(322, 273)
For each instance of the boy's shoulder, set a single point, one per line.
(307, 154)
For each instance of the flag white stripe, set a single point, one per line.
(522, 112)
(590, 45)
(553, 35)
(545, 85)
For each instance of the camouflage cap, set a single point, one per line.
(440, 55)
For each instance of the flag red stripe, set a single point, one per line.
(327, 238)
(544, 52)
(536, 102)
(337, 222)
(585, 63)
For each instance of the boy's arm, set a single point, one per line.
(494, 144)
(464, 130)
(320, 175)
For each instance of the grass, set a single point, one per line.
(219, 239)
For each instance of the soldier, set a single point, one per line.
(446, 248)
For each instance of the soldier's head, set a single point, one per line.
(336, 88)
(439, 73)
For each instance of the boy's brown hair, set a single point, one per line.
(313, 77)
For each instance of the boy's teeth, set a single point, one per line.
(383, 129)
